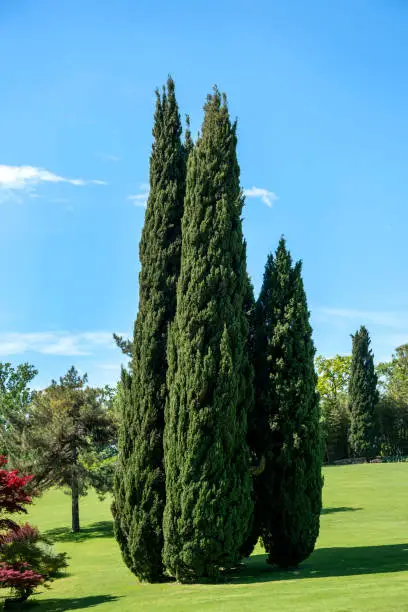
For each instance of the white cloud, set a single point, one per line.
(268, 197)
(14, 179)
(140, 199)
(54, 343)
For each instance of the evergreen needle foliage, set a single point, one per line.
(69, 428)
(286, 418)
(363, 396)
(208, 484)
(140, 481)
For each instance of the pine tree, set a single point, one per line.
(140, 482)
(208, 484)
(69, 426)
(363, 396)
(286, 418)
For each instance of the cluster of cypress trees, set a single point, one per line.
(216, 382)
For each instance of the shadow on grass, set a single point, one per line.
(339, 509)
(69, 603)
(326, 562)
(103, 529)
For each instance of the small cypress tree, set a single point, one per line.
(363, 396)
(140, 481)
(208, 484)
(288, 492)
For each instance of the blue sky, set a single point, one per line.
(321, 95)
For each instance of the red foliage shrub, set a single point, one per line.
(22, 582)
(19, 578)
(23, 533)
(13, 495)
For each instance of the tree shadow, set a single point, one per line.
(69, 603)
(339, 509)
(326, 562)
(102, 529)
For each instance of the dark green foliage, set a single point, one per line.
(256, 456)
(124, 344)
(140, 481)
(363, 396)
(188, 141)
(208, 484)
(121, 505)
(288, 491)
(392, 427)
(335, 429)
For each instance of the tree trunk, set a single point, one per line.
(75, 496)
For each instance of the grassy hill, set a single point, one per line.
(360, 563)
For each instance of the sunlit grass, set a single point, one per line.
(360, 562)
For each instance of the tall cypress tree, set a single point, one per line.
(286, 416)
(363, 396)
(140, 480)
(208, 484)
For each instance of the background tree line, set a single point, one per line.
(389, 419)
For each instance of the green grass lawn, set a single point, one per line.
(360, 562)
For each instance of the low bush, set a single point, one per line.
(28, 560)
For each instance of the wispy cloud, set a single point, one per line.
(388, 328)
(17, 179)
(391, 319)
(55, 343)
(140, 199)
(268, 197)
